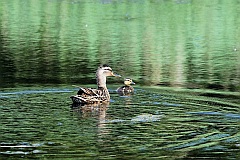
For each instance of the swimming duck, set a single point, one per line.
(101, 94)
(127, 88)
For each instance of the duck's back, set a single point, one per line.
(89, 95)
(125, 89)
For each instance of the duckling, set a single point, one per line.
(101, 94)
(127, 88)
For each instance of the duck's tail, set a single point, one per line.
(78, 99)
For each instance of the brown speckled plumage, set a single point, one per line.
(127, 88)
(89, 95)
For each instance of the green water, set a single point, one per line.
(162, 123)
(187, 43)
(183, 55)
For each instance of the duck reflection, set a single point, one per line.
(89, 110)
(98, 111)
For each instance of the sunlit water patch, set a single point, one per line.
(138, 119)
(152, 123)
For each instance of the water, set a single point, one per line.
(183, 55)
(183, 43)
(162, 123)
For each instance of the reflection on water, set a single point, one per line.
(187, 43)
(152, 123)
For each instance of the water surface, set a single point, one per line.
(187, 43)
(157, 123)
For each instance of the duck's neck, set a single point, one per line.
(101, 81)
(103, 88)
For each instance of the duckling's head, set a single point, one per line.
(128, 81)
(105, 70)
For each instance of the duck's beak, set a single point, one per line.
(115, 75)
(132, 82)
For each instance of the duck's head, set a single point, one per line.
(105, 70)
(128, 81)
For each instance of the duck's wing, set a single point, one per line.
(87, 95)
(87, 92)
(125, 89)
(85, 100)
(120, 89)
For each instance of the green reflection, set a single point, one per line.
(190, 43)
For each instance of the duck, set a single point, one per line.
(101, 94)
(127, 88)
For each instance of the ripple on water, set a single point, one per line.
(169, 122)
(25, 148)
(228, 115)
(36, 91)
(139, 119)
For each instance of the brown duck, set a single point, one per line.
(101, 94)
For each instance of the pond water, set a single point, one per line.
(186, 43)
(162, 123)
(183, 56)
